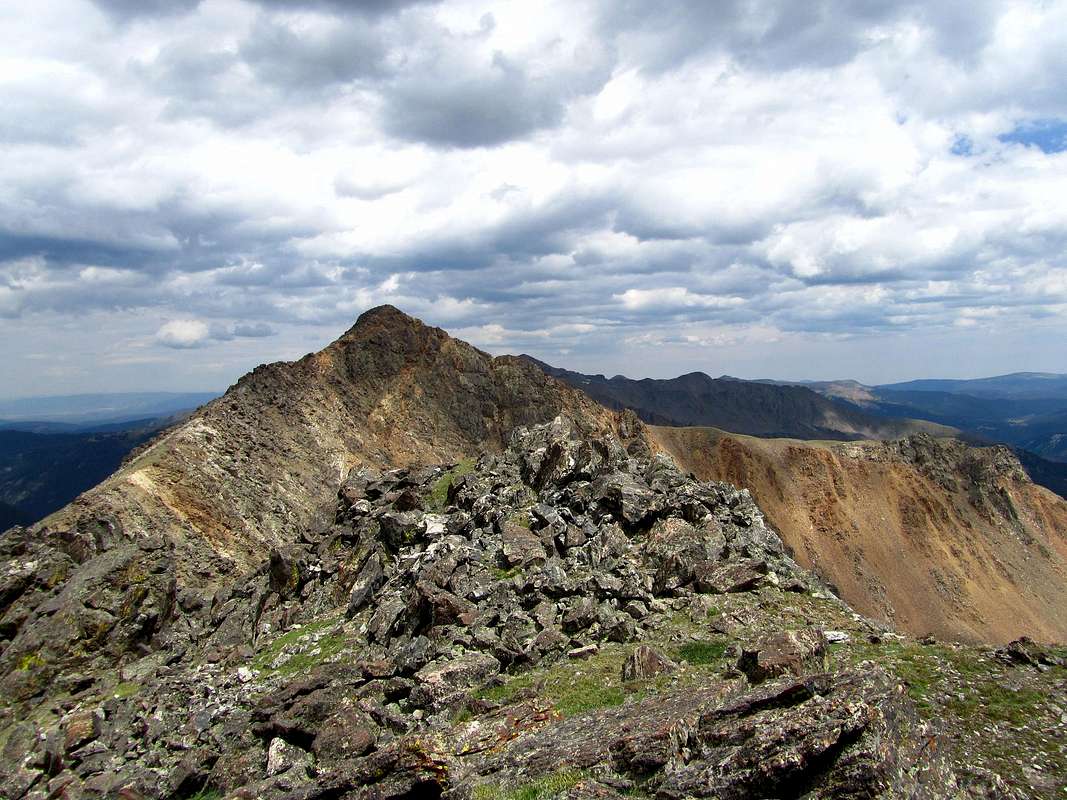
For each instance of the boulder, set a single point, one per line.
(646, 662)
(442, 685)
(283, 756)
(368, 580)
(520, 546)
(795, 652)
(717, 578)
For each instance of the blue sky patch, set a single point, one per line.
(962, 146)
(1050, 135)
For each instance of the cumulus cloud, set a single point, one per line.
(183, 333)
(592, 181)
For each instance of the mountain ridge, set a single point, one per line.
(244, 469)
(747, 407)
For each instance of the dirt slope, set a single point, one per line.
(253, 468)
(927, 534)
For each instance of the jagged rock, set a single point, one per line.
(80, 728)
(674, 547)
(710, 576)
(626, 496)
(848, 734)
(370, 578)
(646, 662)
(283, 756)
(443, 685)
(793, 652)
(520, 547)
(288, 570)
(580, 615)
(348, 734)
(1025, 650)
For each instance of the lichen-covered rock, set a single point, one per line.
(794, 652)
(646, 662)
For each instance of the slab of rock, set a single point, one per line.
(582, 653)
(795, 652)
(443, 685)
(646, 662)
(520, 546)
(367, 582)
(282, 756)
(728, 578)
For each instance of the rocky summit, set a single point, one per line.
(571, 616)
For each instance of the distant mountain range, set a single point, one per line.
(1009, 410)
(1025, 409)
(76, 413)
(757, 408)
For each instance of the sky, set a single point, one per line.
(834, 189)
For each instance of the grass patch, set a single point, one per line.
(703, 652)
(438, 498)
(501, 574)
(916, 666)
(126, 689)
(309, 653)
(996, 702)
(571, 687)
(207, 794)
(544, 788)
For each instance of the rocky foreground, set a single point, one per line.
(565, 618)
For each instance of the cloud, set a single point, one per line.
(189, 333)
(183, 333)
(128, 9)
(586, 180)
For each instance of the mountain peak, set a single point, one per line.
(390, 391)
(383, 317)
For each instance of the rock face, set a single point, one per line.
(421, 608)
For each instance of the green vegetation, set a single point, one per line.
(545, 788)
(703, 652)
(521, 518)
(30, 661)
(998, 702)
(438, 498)
(309, 652)
(501, 574)
(573, 688)
(207, 794)
(126, 689)
(996, 711)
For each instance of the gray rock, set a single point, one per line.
(646, 662)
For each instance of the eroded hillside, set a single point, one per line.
(927, 534)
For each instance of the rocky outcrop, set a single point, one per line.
(411, 622)
(248, 470)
